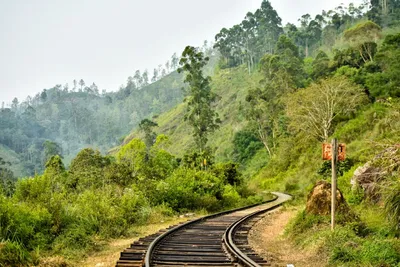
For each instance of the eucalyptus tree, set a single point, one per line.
(310, 32)
(82, 84)
(282, 73)
(138, 79)
(174, 61)
(147, 126)
(269, 27)
(249, 40)
(199, 112)
(155, 75)
(145, 78)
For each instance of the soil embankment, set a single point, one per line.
(267, 239)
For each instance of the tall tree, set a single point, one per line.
(364, 37)
(75, 84)
(14, 104)
(314, 109)
(145, 78)
(155, 75)
(174, 61)
(50, 149)
(82, 84)
(311, 32)
(199, 112)
(147, 126)
(138, 79)
(282, 73)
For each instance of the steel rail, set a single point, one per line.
(156, 241)
(238, 254)
(228, 238)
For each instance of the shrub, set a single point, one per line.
(303, 222)
(231, 197)
(27, 225)
(392, 203)
(245, 144)
(15, 254)
(188, 189)
(228, 172)
(380, 252)
(132, 201)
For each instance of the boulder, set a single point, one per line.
(319, 200)
(370, 175)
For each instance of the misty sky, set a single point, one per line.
(49, 42)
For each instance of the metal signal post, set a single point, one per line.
(334, 179)
(334, 152)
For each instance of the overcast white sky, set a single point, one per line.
(49, 42)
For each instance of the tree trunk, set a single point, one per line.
(306, 47)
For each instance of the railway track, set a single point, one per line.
(216, 240)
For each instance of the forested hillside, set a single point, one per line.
(63, 120)
(251, 117)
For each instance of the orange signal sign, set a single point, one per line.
(327, 151)
(341, 152)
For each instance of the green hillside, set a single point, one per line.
(231, 85)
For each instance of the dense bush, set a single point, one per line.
(245, 145)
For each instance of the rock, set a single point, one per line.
(374, 171)
(319, 200)
(100, 264)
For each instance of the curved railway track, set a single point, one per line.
(215, 240)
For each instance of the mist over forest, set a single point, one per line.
(64, 119)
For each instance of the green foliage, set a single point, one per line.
(133, 156)
(351, 244)
(363, 122)
(342, 167)
(29, 226)
(228, 172)
(132, 202)
(363, 37)
(51, 149)
(199, 161)
(188, 189)
(245, 145)
(86, 169)
(385, 83)
(320, 66)
(302, 222)
(161, 162)
(248, 41)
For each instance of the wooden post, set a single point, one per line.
(334, 178)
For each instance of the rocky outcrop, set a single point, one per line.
(319, 200)
(370, 176)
